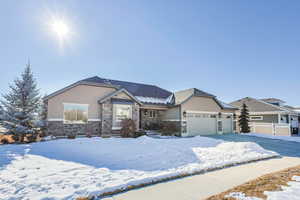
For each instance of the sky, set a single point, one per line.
(230, 48)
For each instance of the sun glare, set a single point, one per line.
(61, 29)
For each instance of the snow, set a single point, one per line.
(286, 138)
(241, 196)
(225, 105)
(290, 192)
(154, 100)
(66, 169)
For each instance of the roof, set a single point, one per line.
(183, 95)
(257, 105)
(271, 100)
(136, 89)
(118, 92)
(226, 106)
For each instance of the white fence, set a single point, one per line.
(271, 128)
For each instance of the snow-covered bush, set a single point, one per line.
(128, 128)
(21, 104)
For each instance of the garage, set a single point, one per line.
(208, 123)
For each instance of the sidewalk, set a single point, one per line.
(202, 186)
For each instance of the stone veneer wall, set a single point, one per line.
(58, 128)
(136, 115)
(107, 117)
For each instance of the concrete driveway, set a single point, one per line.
(284, 148)
(204, 185)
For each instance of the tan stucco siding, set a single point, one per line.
(266, 118)
(171, 114)
(122, 95)
(81, 94)
(283, 131)
(262, 129)
(200, 104)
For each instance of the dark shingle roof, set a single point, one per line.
(136, 89)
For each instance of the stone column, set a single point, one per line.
(136, 114)
(107, 117)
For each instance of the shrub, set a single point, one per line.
(16, 138)
(71, 136)
(153, 126)
(88, 135)
(128, 128)
(139, 134)
(4, 141)
(31, 138)
(169, 129)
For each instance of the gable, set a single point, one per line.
(255, 105)
(79, 94)
(206, 104)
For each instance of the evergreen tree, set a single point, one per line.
(21, 105)
(244, 119)
(43, 112)
(1, 114)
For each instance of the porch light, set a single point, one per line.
(220, 114)
(234, 116)
(184, 113)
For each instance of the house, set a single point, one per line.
(97, 106)
(270, 116)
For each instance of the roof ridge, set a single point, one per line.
(146, 84)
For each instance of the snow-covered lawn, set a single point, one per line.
(65, 169)
(286, 138)
(290, 192)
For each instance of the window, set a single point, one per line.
(256, 118)
(152, 113)
(234, 125)
(121, 112)
(75, 113)
(220, 126)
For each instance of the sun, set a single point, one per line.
(60, 28)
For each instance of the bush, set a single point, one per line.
(128, 128)
(16, 138)
(71, 136)
(153, 126)
(139, 134)
(169, 129)
(31, 138)
(4, 141)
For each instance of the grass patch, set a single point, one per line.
(257, 187)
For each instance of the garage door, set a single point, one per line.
(201, 124)
(208, 124)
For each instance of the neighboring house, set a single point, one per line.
(270, 116)
(97, 106)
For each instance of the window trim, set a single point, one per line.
(257, 118)
(75, 122)
(152, 114)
